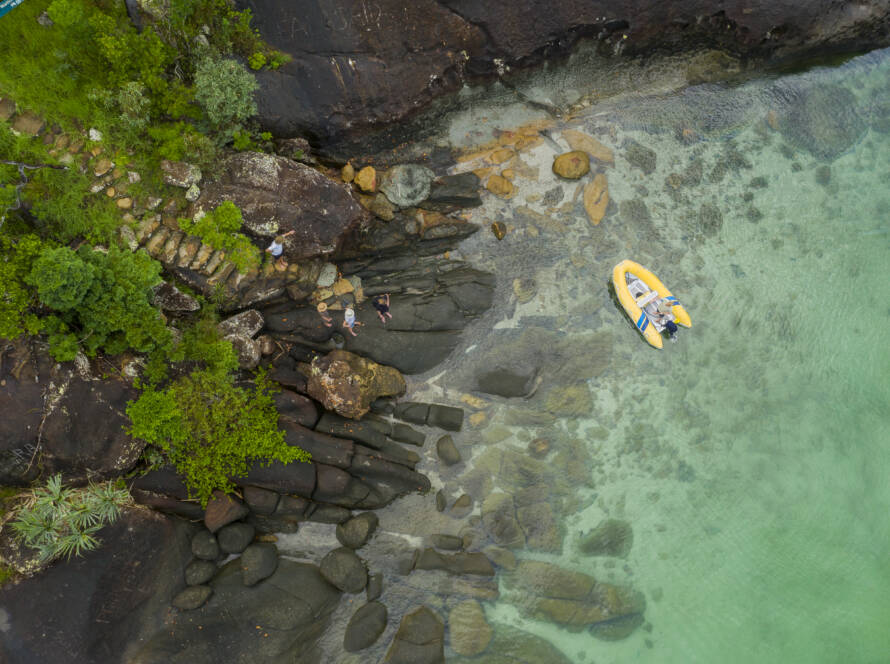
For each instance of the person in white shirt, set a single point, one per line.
(277, 249)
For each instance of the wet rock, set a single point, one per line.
(572, 165)
(505, 382)
(344, 570)
(298, 408)
(199, 572)
(499, 229)
(347, 384)
(578, 140)
(469, 632)
(235, 537)
(462, 507)
(205, 546)
(445, 417)
(169, 298)
(549, 592)
(375, 587)
(180, 173)
(540, 526)
(366, 179)
(277, 195)
(441, 501)
(514, 646)
(420, 639)
(347, 173)
(222, 510)
(569, 401)
(539, 448)
(525, 289)
(501, 557)
(405, 434)
(416, 413)
(259, 561)
(825, 120)
(447, 451)
(260, 501)
(380, 207)
(406, 185)
(596, 198)
(247, 350)
(500, 186)
(611, 537)
(356, 532)
(499, 519)
(620, 628)
(365, 627)
(192, 597)
(447, 542)
(640, 156)
(247, 323)
(454, 191)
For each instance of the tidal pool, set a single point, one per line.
(751, 457)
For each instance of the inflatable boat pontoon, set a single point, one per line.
(640, 293)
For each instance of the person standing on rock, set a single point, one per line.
(277, 248)
(322, 309)
(381, 304)
(349, 321)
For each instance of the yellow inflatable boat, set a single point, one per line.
(647, 301)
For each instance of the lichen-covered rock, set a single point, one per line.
(180, 173)
(406, 185)
(347, 384)
(169, 298)
(248, 351)
(248, 323)
(276, 195)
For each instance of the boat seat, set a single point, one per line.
(647, 298)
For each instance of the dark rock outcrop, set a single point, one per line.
(47, 410)
(359, 67)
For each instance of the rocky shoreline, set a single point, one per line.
(179, 583)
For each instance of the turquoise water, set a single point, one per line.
(758, 495)
(752, 456)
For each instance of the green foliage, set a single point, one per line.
(224, 88)
(257, 60)
(62, 278)
(101, 301)
(220, 229)
(16, 259)
(211, 430)
(62, 521)
(277, 58)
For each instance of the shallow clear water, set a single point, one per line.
(752, 456)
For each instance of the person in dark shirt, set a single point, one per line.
(381, 304)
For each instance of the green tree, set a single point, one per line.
(62, 278)
(225, 88)
(210, 429)
(16, 258)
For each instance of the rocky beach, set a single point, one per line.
(501, 472)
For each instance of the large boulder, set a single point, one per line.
(277, 195)
(347, 384)
(95, 607)
(61, 418)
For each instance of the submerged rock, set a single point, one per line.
(365, 627)
(572, 165)
(469, 632)
(611, 537)
(640, 156)
(824, 120)
(420, 639)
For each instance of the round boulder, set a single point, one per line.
(407, 185)
(199, 572)
(344, 570)
(470, 633)
(205, 546)
(355, 532)
(235, 537)
(365, 627)
(572, 165)
(258, 562)
(192, 597)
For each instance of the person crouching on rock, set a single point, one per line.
(349, 321)
(322, 310)
(381, 304)
(277, 248)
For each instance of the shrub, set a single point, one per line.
(224, 88)
(220, 229)
(211, 430)
(256, 61)
(111, 312)
(60, 521)
(16, 259)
